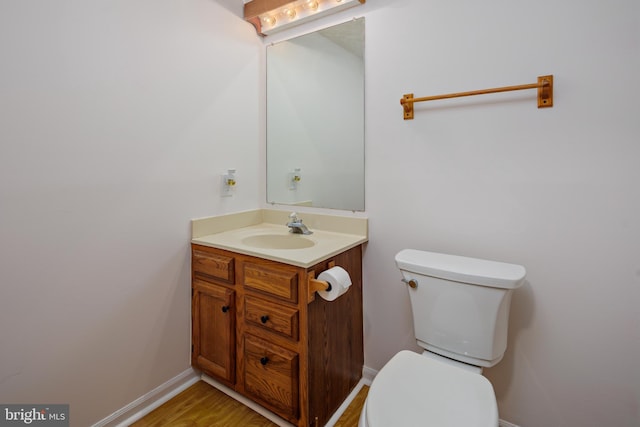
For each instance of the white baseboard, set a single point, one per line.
(336, 415)
(274, 418)
(368, 374)
(246, 402)
(164, 392)
(150, 401)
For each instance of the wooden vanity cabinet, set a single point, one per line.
(297, 355)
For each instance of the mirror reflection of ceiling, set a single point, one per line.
(353, 41)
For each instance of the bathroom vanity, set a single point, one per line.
(258, 328)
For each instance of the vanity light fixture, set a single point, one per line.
(270, 16)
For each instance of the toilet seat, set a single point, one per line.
(413, 390)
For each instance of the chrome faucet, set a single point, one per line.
(296, 226)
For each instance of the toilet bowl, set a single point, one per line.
(460, 310)
(413, 390)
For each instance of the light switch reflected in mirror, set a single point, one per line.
(315, 119)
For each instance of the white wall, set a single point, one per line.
(555, 190)
(116, 121)
(117, 118)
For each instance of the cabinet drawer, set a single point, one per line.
(271, 376)
(273, 317)
(210, 265)
(281, 283)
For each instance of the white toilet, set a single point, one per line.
(460, 314)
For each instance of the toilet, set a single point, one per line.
(460, 313)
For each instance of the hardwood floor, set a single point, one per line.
(351, 416)
(202, 405)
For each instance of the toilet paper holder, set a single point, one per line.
(316, 285)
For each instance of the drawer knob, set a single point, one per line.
(264, 318)
(225, 308)
(264, 360)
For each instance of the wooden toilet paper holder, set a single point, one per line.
(316, 285)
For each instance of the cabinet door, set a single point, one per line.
(213, 329)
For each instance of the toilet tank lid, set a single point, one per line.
(461, 269)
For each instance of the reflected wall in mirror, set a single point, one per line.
(315, 119)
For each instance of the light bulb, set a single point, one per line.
(311, 5)
(289, 13)
(269, 20)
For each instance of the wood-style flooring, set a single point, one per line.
(202, 405)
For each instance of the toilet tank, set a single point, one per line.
(460, 305)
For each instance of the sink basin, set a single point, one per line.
(278, 241)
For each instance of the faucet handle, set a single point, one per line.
(293, 217)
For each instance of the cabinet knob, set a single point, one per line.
(225, 308)
(264, 360)
(264, 318)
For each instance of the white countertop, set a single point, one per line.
(332, 234)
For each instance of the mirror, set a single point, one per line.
(315, 119)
